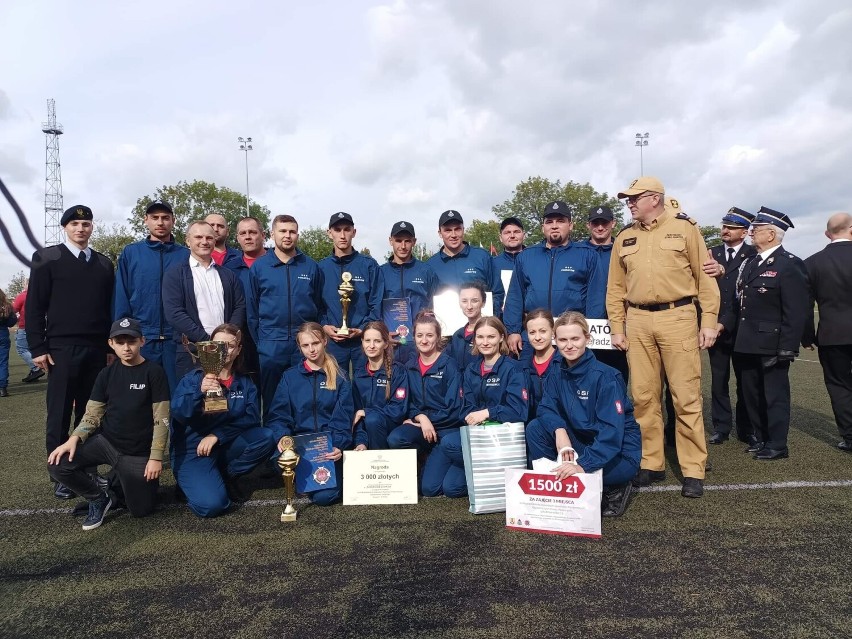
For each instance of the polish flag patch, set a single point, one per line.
(400, 393)
(461, 392)
(618, 407)
(524, 394)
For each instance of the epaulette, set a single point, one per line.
(624, 228)
(46, 254)
(684, 216)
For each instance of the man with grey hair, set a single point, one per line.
(773, 291)
(829, 275)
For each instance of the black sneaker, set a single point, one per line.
(98, 508)
(647, 477)
(33, 376)
(616, 499)
(692, 487)
(4, 392)
(61, 491)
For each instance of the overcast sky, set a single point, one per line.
(400, 110)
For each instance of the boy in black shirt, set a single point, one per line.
(125, 426)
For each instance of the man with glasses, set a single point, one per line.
(656, 273)
(556, 274)
(731, 254)
(773, 294)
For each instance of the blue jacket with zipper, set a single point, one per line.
(470, 264)
(503, 390)
(304, 404)
(139, 284)
(366, 299)
(562, 278)
(370, 395)
(414, 279)
(590, 401)
(282, 296)
(438, 393)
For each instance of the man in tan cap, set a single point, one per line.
(655, 275)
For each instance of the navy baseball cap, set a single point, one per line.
(450, 217)
(125, 326)
(557, 209)
(512, 221)
(403, 227)
(339, 218)
(602, 212)
(159, 205)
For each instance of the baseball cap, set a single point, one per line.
(602, 212)
(159, 205)
(76, 212)
(125, 326)
(402, 227)
(557, 209)
(642, 184)
(340, 217)
(450, 216)
(511, 220)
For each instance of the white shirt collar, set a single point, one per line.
(76, 250)
(841, 239)
(768, 252)
(736, 248)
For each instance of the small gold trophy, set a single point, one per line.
(212, 357)
(346, 289)
(287, 462)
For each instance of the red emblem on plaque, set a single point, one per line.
(322, 475)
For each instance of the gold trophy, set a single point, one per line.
(287, 462)
(346, 289)
(212, 357)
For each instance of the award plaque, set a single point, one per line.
(345, 289)
(211, 356)
(312, 472)
(396, 314)
(287, 462)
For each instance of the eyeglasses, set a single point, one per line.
(632, 199)
(763, 227)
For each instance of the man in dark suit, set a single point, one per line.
(829, 275)
(199, 295)
(773, 292)
(731, 254)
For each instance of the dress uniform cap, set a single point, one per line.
(76, 212)
(511, 220)
(159, 205)
(401, 228)
(557, 209)
(738, 217)
(450, 216)
(641, 185)
(340, 217)
(601, 213)
(776, 218)
(125, 326)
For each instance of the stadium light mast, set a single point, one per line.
(642, 142)
(245, 146)
(52, 177)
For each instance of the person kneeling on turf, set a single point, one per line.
(211, 450)
(125, 426)
(585, 409)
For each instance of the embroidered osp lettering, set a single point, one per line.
(236, 394)
(492, 381)
(582, 394)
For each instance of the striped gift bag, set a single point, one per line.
(489, 449)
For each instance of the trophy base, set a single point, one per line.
(285, 517)
(215, 405)
(343, 331)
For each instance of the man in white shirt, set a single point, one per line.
(198, 295)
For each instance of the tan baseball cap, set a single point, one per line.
(643, 184)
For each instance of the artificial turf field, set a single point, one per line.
(747, 560)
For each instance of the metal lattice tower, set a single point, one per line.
(52, 177)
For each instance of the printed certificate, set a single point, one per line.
(379, 477)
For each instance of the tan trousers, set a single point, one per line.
(666, 343)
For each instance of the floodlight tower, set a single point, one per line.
(52, 177)
(642, 142)
(245, 146)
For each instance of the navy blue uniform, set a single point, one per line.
(537, 381)
(365, 307)
(504, 390)
(382, 413)
(182, 310)
(139, 294)
(589, 400)
(243, 442)
(770, 322)
(303, 403)
(281, 297)
(438, 395)
(470, 264)
(562, 278)
(459, 348)
(418, 282)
